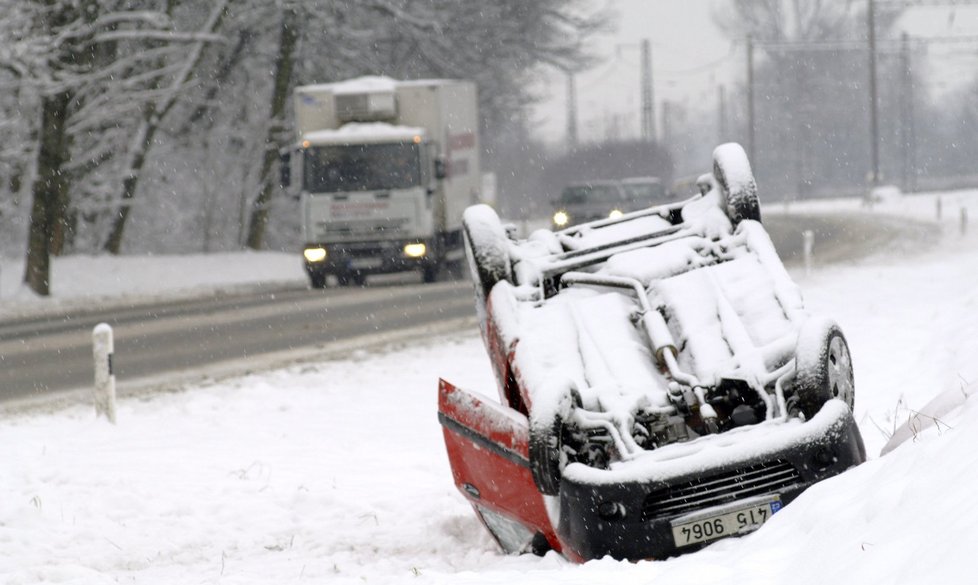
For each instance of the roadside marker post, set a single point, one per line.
(103, 348)
(808, 249)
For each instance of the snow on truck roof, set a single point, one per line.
(364, 132)
(370, 84)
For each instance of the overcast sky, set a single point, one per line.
(691, 58)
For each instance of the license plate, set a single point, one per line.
(366, 263)
(737, 518)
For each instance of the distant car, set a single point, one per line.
(589, 201)
(661, 384)
(644, 192)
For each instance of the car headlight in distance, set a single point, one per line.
(317, 254)
(561, 218)
(615, 214)
(415, 250)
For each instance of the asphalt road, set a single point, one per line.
(54, 353)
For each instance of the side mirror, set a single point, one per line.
(441, 171)
(285, 169)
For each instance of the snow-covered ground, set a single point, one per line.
(336, 472)
(79, 281)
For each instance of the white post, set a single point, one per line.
(104, 377)
(808, 248)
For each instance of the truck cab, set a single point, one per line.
(386, 169)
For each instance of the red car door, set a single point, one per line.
(488, 446)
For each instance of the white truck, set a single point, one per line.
(386, 169)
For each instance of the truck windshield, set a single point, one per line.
(361, 167)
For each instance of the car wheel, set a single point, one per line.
(736, 179)
(430, 273)
(823, 367)
(317, 279)
(487, 250)
(343, 279)
(546, 444)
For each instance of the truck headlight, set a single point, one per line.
(415, 250)
(561, 218)
(317, 254)
(615, 214)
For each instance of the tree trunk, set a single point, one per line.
(49, 192)
(280, 92)
(141, 145)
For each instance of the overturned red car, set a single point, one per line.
(661, 384)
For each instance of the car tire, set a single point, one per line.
(343, 279)
(317, 280)
(487, 251)
(546, 444)
(823, 367)
(736, 180)
(430, 273)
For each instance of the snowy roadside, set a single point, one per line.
(80, 282)
(335, 471)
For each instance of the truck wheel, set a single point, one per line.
(736, 179)
(823, 367)
(317, 279)
(487, 250)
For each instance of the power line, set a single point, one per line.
(926, 3)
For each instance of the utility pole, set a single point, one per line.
(751, 138)
(648, 103)
(571, 111)
(874, 131)
(909, 126)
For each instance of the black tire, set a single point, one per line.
(317, 279)
(823, 367)
(736, 180)
(343, 279)
(487, 250)
(430, 273)
(546, 444)
(359, 279)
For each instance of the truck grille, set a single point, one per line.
(753, 480)
(350, 228)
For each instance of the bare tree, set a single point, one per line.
(155, 111)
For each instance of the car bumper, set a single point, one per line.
(628, 512)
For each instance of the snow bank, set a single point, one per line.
(100, 280)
